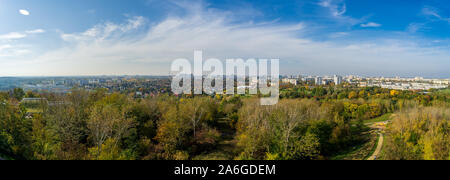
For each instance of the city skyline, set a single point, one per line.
(54, 38)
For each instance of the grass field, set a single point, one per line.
(364, 151)
(33, 110)
(382, 118)
(361, 151)
(444, 91)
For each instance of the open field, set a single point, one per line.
(360, 152)
(34, 110)
(382, 118)
(372, 149)
(444, 91)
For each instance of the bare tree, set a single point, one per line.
(107, 122)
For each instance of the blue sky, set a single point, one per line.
(318, 37)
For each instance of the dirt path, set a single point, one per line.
(380, 126)
(376, 154)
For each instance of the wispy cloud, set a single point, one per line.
(434, 13)
(11, 51)
(19, 35)
(416, 27)
(36, 31)
(430, 11)
(14, 49)
(12, 36)
(337, 10)
(339, 34)
(6, 46)
(138, 47)
(105, 31)
(336, 7)
(371, 24)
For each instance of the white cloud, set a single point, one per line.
(325, 3)
(337, 7)
(433, 15)
(371, 24)
(433, 12)
(36, 31)
(105, 31)
(24, 12)
(11, 51)
(417, 27)
(137, 47)
(337, 10)
(339, 34)
(6, 46)
(134, 23)
(19, 35)
(12, 35)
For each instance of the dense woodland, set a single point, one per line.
(309, 123)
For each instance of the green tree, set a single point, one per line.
(18, 93)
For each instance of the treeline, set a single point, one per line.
(293, 130)
(419, 134)
(102, 126)
(325, 93)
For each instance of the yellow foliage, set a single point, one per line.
(272, 157)
(109, 151)
(428, 150)
(352, 95)
(419, 133)
(394, 93)
(181, 156)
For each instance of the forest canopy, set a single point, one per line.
(307, 124)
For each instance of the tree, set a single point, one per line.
(352, 95)
(15, 130)
(45, 143)
(362, 94)
(107, 123)
(147, 114)
(110, 151)
(172, 132)
(342, 95)
(197, 111)
(394, 93)
(307, 148)
(68, 120)
(31, 94)
(18, 93)
(419, 133)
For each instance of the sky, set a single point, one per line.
(142, 37)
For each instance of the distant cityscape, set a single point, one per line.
(397, 83)
(140, 85)
(150, 85)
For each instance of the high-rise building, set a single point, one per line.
(319, 81)
(337, 79)
(290, 81)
